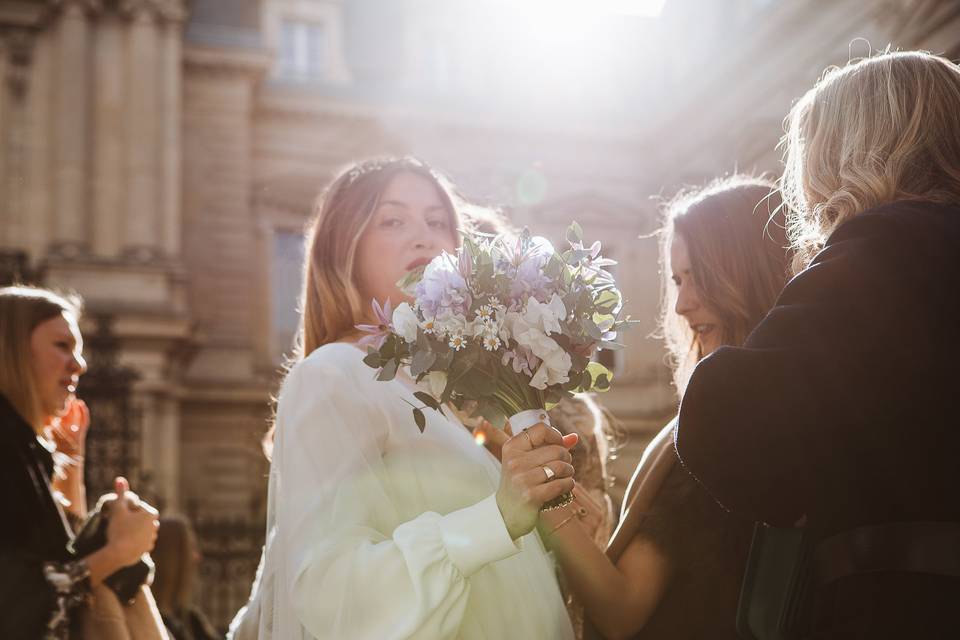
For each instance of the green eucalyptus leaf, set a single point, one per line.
(600, 376)
(422, 361)
(602, 383)
(591, 328)
(420, 419)
(607, 301)
(389, 370)
(427, 399)
(443, 361)
(373, 359)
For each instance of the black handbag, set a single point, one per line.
(125, 582)
(776, 593)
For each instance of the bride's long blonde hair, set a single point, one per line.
(881, 129)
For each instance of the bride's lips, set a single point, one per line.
(419, 262)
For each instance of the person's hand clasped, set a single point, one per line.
(132, 528)
(535, 469)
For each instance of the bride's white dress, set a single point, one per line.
(376, 530)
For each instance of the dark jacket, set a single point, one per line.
(706, 550)
(34, 533)
(840, 407)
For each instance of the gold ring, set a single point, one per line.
(550, 474)
(529, 441)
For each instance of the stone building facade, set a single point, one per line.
(162, 158)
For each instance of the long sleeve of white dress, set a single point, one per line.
(387, 532)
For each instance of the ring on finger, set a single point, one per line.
(529, 441)
(550, 472)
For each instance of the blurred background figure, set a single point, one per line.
(177, 557)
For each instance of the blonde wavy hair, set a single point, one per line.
(22, 309)
(880, 129)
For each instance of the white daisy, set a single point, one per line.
(457, 341)
(491, 342)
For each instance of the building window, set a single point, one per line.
(301, 50)
(286, 275)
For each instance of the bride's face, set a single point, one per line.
(410, 227)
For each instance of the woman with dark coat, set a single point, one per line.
(839, 412)
(42, 582)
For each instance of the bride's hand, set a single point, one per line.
(525, 485)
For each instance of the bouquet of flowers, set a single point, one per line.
(506, 326)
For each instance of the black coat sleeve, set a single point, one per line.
(39, 587)
(770, 428)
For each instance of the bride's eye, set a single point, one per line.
(391, 223)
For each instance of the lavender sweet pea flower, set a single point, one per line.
(528, 278)
(521, 359)
(442, 290)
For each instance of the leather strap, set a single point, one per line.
(913, 547)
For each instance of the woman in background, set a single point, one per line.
(43, 584)
(176, 557)
(674, 565)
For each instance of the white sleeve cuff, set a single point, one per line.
(476, 536)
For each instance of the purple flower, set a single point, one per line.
(442, 291)
(529, 280)
(378, 332)
(521, 359)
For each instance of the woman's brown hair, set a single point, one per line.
(175, 557)
(735, 236)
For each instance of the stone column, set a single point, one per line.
(171, 101)
(142, 229)
(108, 157)
(6, 211)
(39, 181)
(14, 71)
(70, 126)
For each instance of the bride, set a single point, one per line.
(376, 530)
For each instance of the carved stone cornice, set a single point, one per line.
(88, 7)
(166, 10)
(22, 14)
(222, 61)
